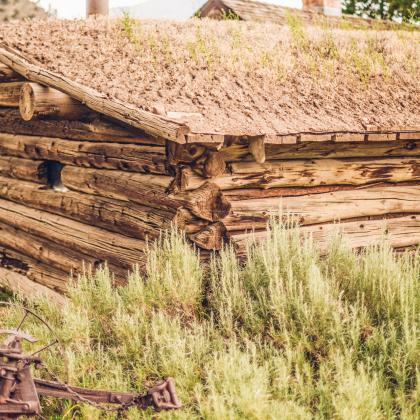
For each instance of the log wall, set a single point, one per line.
(79, 191)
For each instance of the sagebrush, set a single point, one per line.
(287, 334)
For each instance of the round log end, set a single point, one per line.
(27, 102)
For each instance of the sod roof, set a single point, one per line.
(233, 77)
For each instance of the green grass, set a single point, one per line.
(286, 335)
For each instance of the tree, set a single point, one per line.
(405, 10)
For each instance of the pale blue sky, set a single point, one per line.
(76, 8)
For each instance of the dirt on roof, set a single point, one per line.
(238, 78)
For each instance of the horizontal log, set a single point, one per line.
(329, 150)
(117, 216)
(39, 273)
(309, 173)
(109, 247)
(9, 75)
(37, 101)
(328, 207)
(25, 287)
(401, 232)
(56, 256)
(96, 130)
(10, 94)
(25, 169)
(206, 202)
(129, 157)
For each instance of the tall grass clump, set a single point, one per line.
(285, 334)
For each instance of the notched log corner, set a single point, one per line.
(211, 238)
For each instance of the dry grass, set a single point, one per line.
(285, 333)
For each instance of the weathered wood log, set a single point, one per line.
(329, 207)
(214, 165)
(307, 173)
(35, 271)
(401, 232)
(184, 153)
(257, 149)
(129, 157)
(10, 94)
(38, 101)
(25, 169)
(207, 202)
(117, 216)
(211, 237)
(131, 115)
(8, 75)
(117, 249)
(51, 254)
(329, 150)
(96, 130)
(25, 287)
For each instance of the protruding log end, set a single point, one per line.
(40, 101)
(215, 165)
(27, 102)
(208, 203)
(211, 237)
(257, 149)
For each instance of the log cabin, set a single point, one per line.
(112, 131)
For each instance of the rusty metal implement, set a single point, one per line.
(19, 391)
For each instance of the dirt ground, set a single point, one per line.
(239, 78)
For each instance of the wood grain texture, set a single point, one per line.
(206, 202)
(114, 215)
(116, 249)
(309, 173)
(10, 94)
(8, 75)
(24, 169)
(400, 232)
(36, 101)
(328, 150)
(56, 257)
(98, 129)
(127, 157)
(327, 207)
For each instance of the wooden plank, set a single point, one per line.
(131, 115)
(128, 157)
(400, 232)
(329, 207)
(25, 169)
(129, 219)
(117, 249)
(96, 130)
(309, 173)
(25, 287)
(10, 94)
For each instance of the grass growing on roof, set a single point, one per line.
(287, 332)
